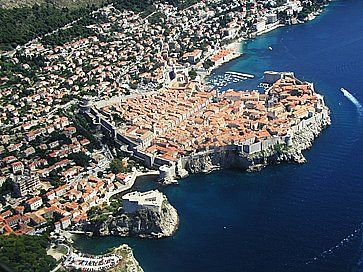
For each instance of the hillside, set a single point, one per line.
(58, 3)
(22, 24)
(25, 253)
(24, 20)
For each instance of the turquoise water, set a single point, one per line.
(287, 217)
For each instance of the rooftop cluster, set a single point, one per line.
(155, 62)
(181, 120)
(64, 206)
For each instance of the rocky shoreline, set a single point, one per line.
(122, 258)
(144, 223)
(207, 162)
(128, 261)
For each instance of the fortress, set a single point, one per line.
(186, 126)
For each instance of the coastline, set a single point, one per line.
(245, 166)
(249, 163)
(312, 16)
(144, 222)
(225, 158)
(256, 163)
(87, 106)
(284, 181)
(116, 259)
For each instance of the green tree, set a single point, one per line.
(6, 187)
(116, 166)
(25, 253)
(80, 158)
(192, 74)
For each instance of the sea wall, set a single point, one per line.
(234, 157)
(248, 156)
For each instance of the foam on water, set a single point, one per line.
(342, 243)
(354, 100)
(359, 267)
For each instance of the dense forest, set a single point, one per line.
(57, 3)
(25, 253)
(19, 25)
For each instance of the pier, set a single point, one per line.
(243, 75)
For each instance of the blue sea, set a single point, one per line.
(286, 217)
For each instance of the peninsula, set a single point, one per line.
(186, 127)
(120, 92)
(145, 215)
(120, 259)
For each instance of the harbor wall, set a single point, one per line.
(246, 155)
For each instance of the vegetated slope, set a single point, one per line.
(29, 19)
(75, 3)
(22, 24)
(57, 3)
(24, 253)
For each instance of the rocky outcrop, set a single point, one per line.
(128, 263)
(303, 140)
(142, 223)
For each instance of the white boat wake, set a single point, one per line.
(359, 267)
(342, 243)
(354, 100)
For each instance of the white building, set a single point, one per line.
(26, 184)
(34, 203)
(134, 201)
(271, 18)
(260, 25)
(295, 6)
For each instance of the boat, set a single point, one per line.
(270, 48)
(206, 171)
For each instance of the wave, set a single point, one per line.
(354, 100)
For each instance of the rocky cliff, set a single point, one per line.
(142, 223)
(253, 162)
(128, 262)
